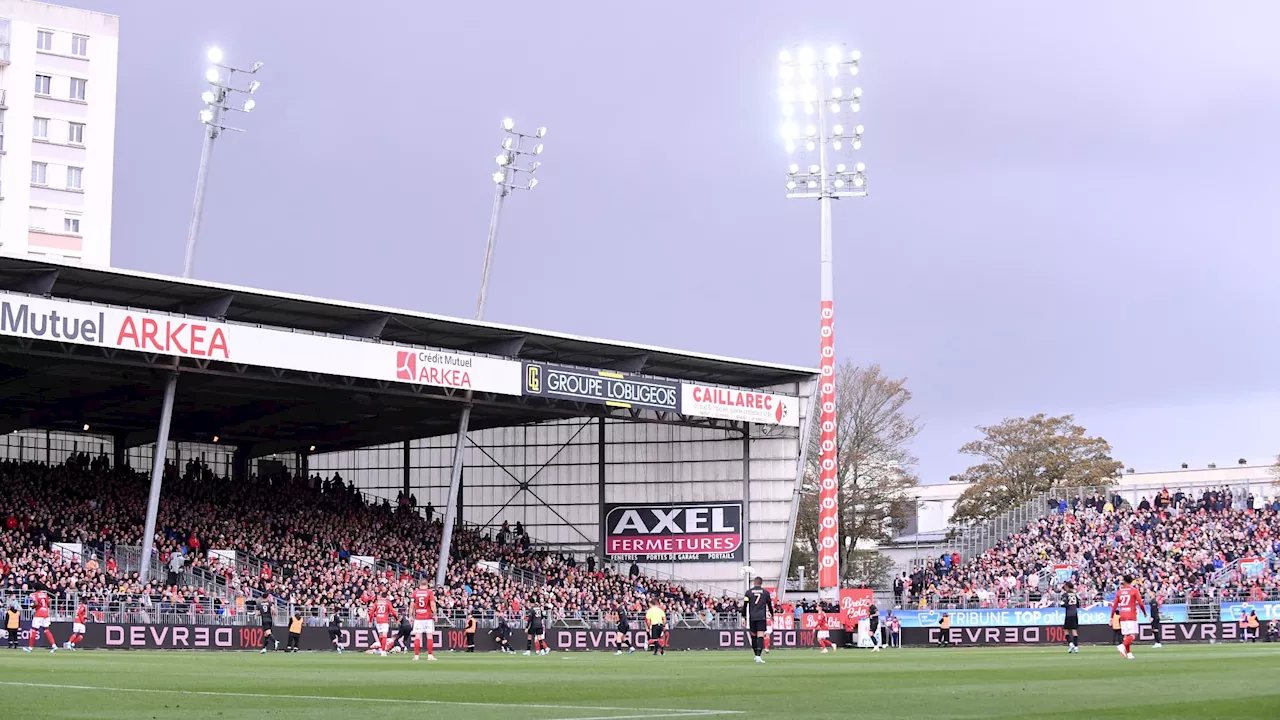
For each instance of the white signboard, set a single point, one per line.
(203, 339)
(753, 406)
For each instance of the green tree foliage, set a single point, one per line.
(1023, 457)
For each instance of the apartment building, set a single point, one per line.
(57, 131)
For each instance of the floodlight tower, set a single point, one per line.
(517, 163)
(819, 102)
(219, 99)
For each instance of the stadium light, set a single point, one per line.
(515, 171)
(216, 100)
(824, 83)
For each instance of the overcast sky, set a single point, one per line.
(1073, 208)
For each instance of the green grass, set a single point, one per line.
(1200, 682)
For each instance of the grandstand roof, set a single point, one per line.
(150, 291)
(44, 384)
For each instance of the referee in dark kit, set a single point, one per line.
(755, 608)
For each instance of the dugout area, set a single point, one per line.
(551, 463)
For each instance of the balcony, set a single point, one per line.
(4, 52)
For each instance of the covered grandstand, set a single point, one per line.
(565, 428)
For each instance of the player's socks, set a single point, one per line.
(417, 645)
(430, 645)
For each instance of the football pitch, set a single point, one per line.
(1190, 681)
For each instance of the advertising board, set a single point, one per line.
(679, 532)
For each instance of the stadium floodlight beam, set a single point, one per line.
(822, 81)
(216, 100)
(515, 171)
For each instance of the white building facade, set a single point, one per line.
(57, 129)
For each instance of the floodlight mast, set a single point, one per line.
(821, 87)
(221, 80)
(517, 158)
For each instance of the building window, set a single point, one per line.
(77, 89)
(43, 82)
(75, 133)
(79, 45)
(36, 218)
(39, 173)
(40, 128)
(44, 40)
(71, 225)
(74, 177)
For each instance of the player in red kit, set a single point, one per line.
(824, 633)
(424, 618)
(1127, 605)
(40, 620)
(382, 614)
(77, 627)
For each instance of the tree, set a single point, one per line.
(1023, 457)
(875, 471)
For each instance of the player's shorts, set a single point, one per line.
(77, 628)
(424, 626)
(382, 628)
(39, 622)
(768, 627)
(824, 634)
(1128, 627)
(1071, 623)
(656, 631)
(758, 626)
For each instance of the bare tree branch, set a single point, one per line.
(875, 469)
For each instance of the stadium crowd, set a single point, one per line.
(307, 531)
(1180, 545)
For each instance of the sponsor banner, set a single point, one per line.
(158, 333)
(812, 621)
(1234, 611)
(1024, 617)
(754, 406)
(1055, 635)
(141, 636)
(1253, 566)
(600, 387)
(828, 472)
(1064, 572)
(783, 621)
(679, 532)
(856, 603)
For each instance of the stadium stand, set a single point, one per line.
(1185, 546)
(295, 539)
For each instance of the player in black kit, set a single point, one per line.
(335, 630)
(536, 629)
(755, 607)
(502, 633)
(266, 614)
(1071, 623)
(623, 635)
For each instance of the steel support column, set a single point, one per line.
(117, 450)
(602, 478)
(405, 461)
(455, 488)
(157, 477)
(806, 429)
(746, 498)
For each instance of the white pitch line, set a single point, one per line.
(657, 712)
